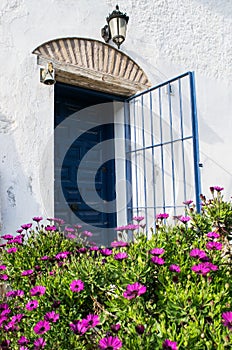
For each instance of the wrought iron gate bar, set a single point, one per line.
(158, 86)
(160, 144)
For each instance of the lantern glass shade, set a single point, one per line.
(118, 27)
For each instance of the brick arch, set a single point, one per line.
(94, 65)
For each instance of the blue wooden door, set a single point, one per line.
(69, 202)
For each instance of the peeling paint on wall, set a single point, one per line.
(11, 196)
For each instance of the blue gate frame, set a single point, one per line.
(169, 113)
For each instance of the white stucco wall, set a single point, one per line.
(166, 37)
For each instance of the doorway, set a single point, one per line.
(84, 181)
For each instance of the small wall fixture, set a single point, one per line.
(47, 75)
(116, 27)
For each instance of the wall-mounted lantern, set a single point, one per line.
(116, 27)
(47, 75)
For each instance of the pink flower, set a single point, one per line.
(27, 272)
(134, 290)
(138, 218)
(41, 327)
(106, 252)
(92, 320)
(2, 267)
(157, 251)
(197, 253)
(37, 218)
(77, 286)
(188, 202)
(162, 216)
(12, 250)
(118, 244)
(158, 261)
(218, 188)
(112, 343)
(174, 268)
(51, 316)
(37, 290)
(26, 226)
(7, 237)
(87, 233)
(32, 305)
(169, 345)
(4, 277)
(120, 256)
(227, 317)
(184, 219)
(50, 228)
(214, 246)
(39, 343)
(79, 327)
(213, 235)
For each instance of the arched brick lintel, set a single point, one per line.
(94, 65)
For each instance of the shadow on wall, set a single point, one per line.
(15, 185)
(223, 8)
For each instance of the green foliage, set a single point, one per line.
(185, 307)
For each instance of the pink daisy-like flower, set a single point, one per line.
(17, 318)
(188, 202)
(23, 348)
(213, 235)
(214, 246)
(2, 267)
(227, 317)
(20, 230)
(174, 268)
(112, 343)
(169, 345)
(62, 255)
(70, 236)
(37, 218)
(106, 252)
(184, 219)
(94, 248)
(15, 293)
(12, 250)
(79, 327)
(115, 327)
(37, 290)
(39, 343)
(51, 317)
(157, 251)
(92, 320)
(78, 227)
(69, 229)
(50, 228)
(162, 216)
(197, 253)
(32, 305)
(118, 244)
(120, 228)
(77, 286)
(87, 233)
(218, 188)
(7, 237)
(138, 218)
(45, 257)
(120, 256)
(23, 340)
(27, 272)
(134, 290)
(41, 327)
(131, 227)
(158, 261)
(3, 277)
(26, 226)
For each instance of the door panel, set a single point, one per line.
(96, 175)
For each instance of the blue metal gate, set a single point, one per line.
(162, 151)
